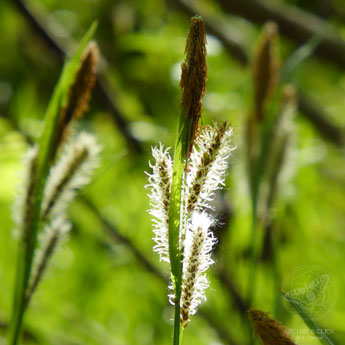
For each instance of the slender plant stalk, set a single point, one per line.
(265, 68)
(253, 254)
(193, 81)
(181, 223)
(286, 71)
(44, 157)
(276, 276)
(179, 166)
(264, 155)
(174, 224)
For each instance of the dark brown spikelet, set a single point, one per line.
(79, 93)
(265, 69)
(270, 331)
(194, 75)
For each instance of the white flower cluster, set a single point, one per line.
(208, 164)
(72, 171)
(198, 246)
(22, 204)
(54, 234)
(205, 174)
(160, 185)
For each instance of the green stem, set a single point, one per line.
(180, 156)
(179, 167)
(177, 325)
(253, 251)
(25, 260)
(255, 183)
(275, 268)
(18, 304)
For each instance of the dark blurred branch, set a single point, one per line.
(315, 115)
(106, 98)
(225, 215)
(294, 23)
(326, 9)
(27, 335)
(310, 110)
(237, 299)
(221, 332)
(115, 235)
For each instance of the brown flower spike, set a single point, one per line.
(270, 331)
(194, 75)
(265, 69)
(79, 93)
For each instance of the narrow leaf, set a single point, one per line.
(314, 327)
(45, 150)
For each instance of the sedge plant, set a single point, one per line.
(268, 141)
(54, 169)
(181, 188)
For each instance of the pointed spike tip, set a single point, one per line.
(194, 74)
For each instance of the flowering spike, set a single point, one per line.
(53, 235)
(181, 192)
(197, 258)
(79, 93)
(72, 171)
(265, 69)
(208, 164)
(269, 330)
(160, 186)
(206, 172)
(194, 75)
(22, 211)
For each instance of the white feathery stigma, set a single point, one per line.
(72, 171)
(197, 259)
(204, 174)
(208, 164)
(160, 187)
(52, 237)
(23, 204)
(59, 227)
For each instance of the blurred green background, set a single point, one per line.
(103, 286)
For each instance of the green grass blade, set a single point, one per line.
(298, 56)
(26, 252)
(315, 328)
